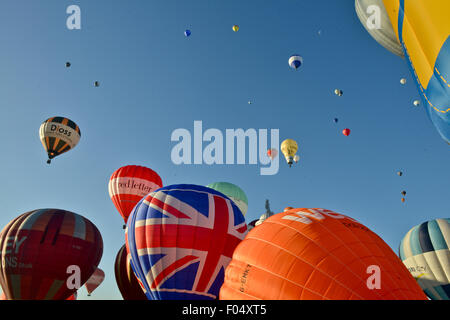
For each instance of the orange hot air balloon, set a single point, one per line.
(346, 132)
(94, 281)
(126, 280)
(129, 184)
(316, 254)
(44, 252)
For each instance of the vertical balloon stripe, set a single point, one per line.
(80, 228)
(424, 238)
(436, 235)
(414, 241)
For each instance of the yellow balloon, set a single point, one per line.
(235, 28)
(289, 148)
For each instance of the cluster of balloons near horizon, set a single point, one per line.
(36, 237)
(419, 31)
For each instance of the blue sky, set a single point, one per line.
(154, 80)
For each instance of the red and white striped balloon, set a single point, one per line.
(129, 184)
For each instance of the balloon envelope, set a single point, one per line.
(126, 280)
(59, 135)
(39, 250)
(95, 280)
(181, 238)
(233, 192)
(130, 184)
(309, 254)
(425, 252)
(295, 61)
(385, 34)
(289, 147)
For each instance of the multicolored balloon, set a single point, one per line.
(58, 135)
(233, 192)
(129, 184)
(181, 239)
(126, 280)
(425, 252)
(316, 254)
(235, 28)
(44, 250)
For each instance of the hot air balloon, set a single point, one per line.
(68, 64)
(421, 30)
(346, 132)
(129, 184)
(94, 281)
(399, 173)
(404, 193)
(126, 280)
(187, 33)
(252, 224)
(416, 103)
(289, 148)
(235, 28)
(181, 238)
(425, 252)
(316, 254)
(233, 192)
(336, 120)
(338, 92)
(296, 158)
(402, 80)
(403, 199)
(58, 135)
(272, 153)
(295, 61)
(97, 84)
(45, 252)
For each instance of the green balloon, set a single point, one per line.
(233, 192)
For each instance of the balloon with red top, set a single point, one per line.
(129, 184)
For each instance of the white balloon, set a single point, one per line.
(384, 34)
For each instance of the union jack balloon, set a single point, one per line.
(181, 239)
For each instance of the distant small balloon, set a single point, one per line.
(187, 33)
(346, 132)
(295, 61)
(68, 64)
(403, 199)
(402, 80)
(296, 158)
(400, 173)
(416, 103)
(404, 193)
(249, 102)
(235, 28)
(338, 92)
(336, 120)
(96, 83)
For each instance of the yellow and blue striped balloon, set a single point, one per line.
(425, 252)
